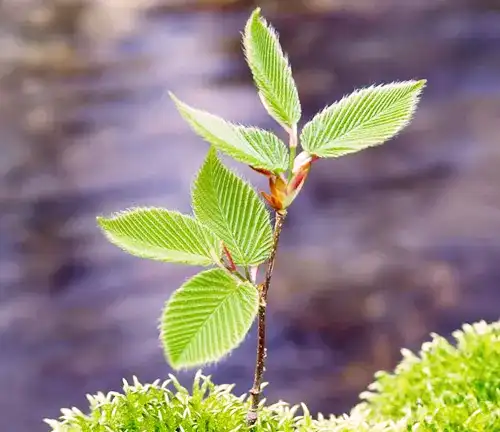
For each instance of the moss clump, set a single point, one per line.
(169, 407)
(447, 388)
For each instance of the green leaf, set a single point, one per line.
(231, 208)
(271, 71)
(365, 118)
(206, 318)
(162, 235)
(252, 146)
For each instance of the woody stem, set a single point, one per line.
(261, 331)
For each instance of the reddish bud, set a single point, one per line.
(275, 204)
(298, 180)
(296, 183)
(278, 187)
(232, 265)
(302, 159)
(262, 171)
(283, 193)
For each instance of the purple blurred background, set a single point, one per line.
(381, 248)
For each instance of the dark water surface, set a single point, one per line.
(382, 247)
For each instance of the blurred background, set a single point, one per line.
(382, 247)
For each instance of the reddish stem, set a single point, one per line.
(232, 265)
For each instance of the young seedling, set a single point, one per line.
(230, 231)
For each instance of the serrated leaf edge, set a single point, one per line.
(179, 364)
(324, 112)
(253, 157)
(116, 215)
(212, 153)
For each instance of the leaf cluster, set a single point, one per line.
(230, 230)
(447, 387)
(211, 313)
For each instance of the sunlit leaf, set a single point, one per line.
(231, 208)
(206, 318)
(271, 71)
(252, 146)
(162, 235)
(365, 118)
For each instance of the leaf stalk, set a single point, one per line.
(293, 142)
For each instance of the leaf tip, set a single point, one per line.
(254, 23)
(174, 364)
(255, 14)
(418, 86)
(102, 221)
(421, 83)
(176, 100)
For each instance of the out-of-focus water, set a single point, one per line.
(381, 248)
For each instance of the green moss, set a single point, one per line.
(169, 407)
(447, 388)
